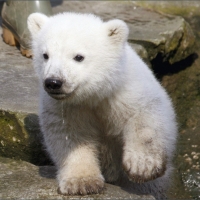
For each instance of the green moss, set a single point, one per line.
(12, 137)
(20, 138)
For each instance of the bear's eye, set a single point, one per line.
(45, 56)
(78, 58)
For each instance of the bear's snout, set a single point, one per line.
(56, 89)
(53, 84)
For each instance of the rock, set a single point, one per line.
(168, 35)
(21, 138)
(18, 81)
(19, 180)
(182, 8)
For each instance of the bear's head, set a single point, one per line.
(78, 57)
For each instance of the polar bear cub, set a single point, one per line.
(103, 115)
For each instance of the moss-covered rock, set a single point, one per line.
(166, 35)
(20, 138)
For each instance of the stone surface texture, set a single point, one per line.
(182, 8)
(22, 180)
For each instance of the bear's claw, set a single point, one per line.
(81, 186)
(143, 168)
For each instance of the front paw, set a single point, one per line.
(81, 185)
(141, 167)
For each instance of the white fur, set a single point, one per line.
(119, 122)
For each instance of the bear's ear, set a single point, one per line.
(117, 30)
(35, 22)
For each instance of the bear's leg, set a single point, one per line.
(144, 153)
(80, 172)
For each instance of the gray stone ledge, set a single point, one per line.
(22, 180)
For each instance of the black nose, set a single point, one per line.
(53, 84)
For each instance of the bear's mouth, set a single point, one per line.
(59, 96)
